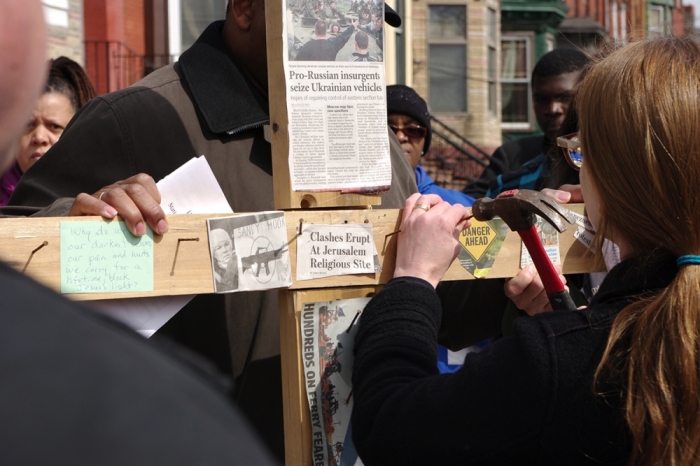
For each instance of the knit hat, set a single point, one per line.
(405, 101)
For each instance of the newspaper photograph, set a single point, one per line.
(249, 252)
(336, 96)
(328, 333)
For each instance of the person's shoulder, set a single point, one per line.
(527, 145)
(157, 82)
(570, 324)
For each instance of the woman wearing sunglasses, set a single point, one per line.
(615, 383)
(409, 119)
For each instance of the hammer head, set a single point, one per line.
(518, 208)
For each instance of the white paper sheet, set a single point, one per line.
(190, 189)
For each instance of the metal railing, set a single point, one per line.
(453, 160)
(112, 65)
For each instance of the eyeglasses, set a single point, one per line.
(414, 133)
(571, 146)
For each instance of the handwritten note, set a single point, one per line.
(100, 257)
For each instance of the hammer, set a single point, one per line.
(517, 208)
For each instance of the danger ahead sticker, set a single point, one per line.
(480, 245)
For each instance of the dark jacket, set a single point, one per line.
(81, 389)
(525, 399)
(202, 104)
(507, 158)
(324, 49)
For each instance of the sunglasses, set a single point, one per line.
(414, 133)
(571, 146)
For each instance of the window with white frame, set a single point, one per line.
(623, 22)
(56, 12)
(447, 58)
(516, 63)
(491, 35)
(187, 19)
(656, 20)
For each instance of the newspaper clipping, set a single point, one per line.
(327, 250)
(328, 332)
(336, 96)
(249, 252)
(550, 240)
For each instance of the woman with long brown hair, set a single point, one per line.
(615, 383)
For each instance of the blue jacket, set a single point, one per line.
(529, 176)
(426, 185)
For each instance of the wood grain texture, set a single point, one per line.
(192, 268)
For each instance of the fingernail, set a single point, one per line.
(530, 269)
(162, 227)
(140, 229)
(109, 212)
(563, 196)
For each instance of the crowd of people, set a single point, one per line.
(333, 26)
(615, 382)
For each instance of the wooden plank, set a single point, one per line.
(192, 273)
(285, 198)
(297, 422)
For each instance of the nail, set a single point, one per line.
(109, 212)
(563, 196)
(162, 226)
(140, 229)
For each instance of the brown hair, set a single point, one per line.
(362, 40)
(69, 78)
(639, 112)
(320, 28)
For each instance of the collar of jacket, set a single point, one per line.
(227, 101)
(636, 277)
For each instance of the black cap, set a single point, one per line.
(404, 100)
(391, 17)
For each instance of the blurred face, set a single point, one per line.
(51, 115)
(23, 70)
(551, 98)
(222, 252)
(410, 134)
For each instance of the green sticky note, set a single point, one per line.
(103, 257)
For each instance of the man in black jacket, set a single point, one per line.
(213, 101)
(76, 388)
(324, 47)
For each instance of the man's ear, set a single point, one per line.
(242, 12)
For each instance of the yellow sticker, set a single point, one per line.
(481, 243)
(477, 238)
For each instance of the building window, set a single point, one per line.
(516, 111)
(656, 20)
(447, 57)
(56, 12)
(187, 19)
(623, 23)
(492, 34)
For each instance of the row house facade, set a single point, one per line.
(470, 59)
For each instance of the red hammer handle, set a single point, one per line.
(549, 275)
(556, 292)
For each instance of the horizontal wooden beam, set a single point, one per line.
(191, 269)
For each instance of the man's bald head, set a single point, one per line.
(22, 68)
